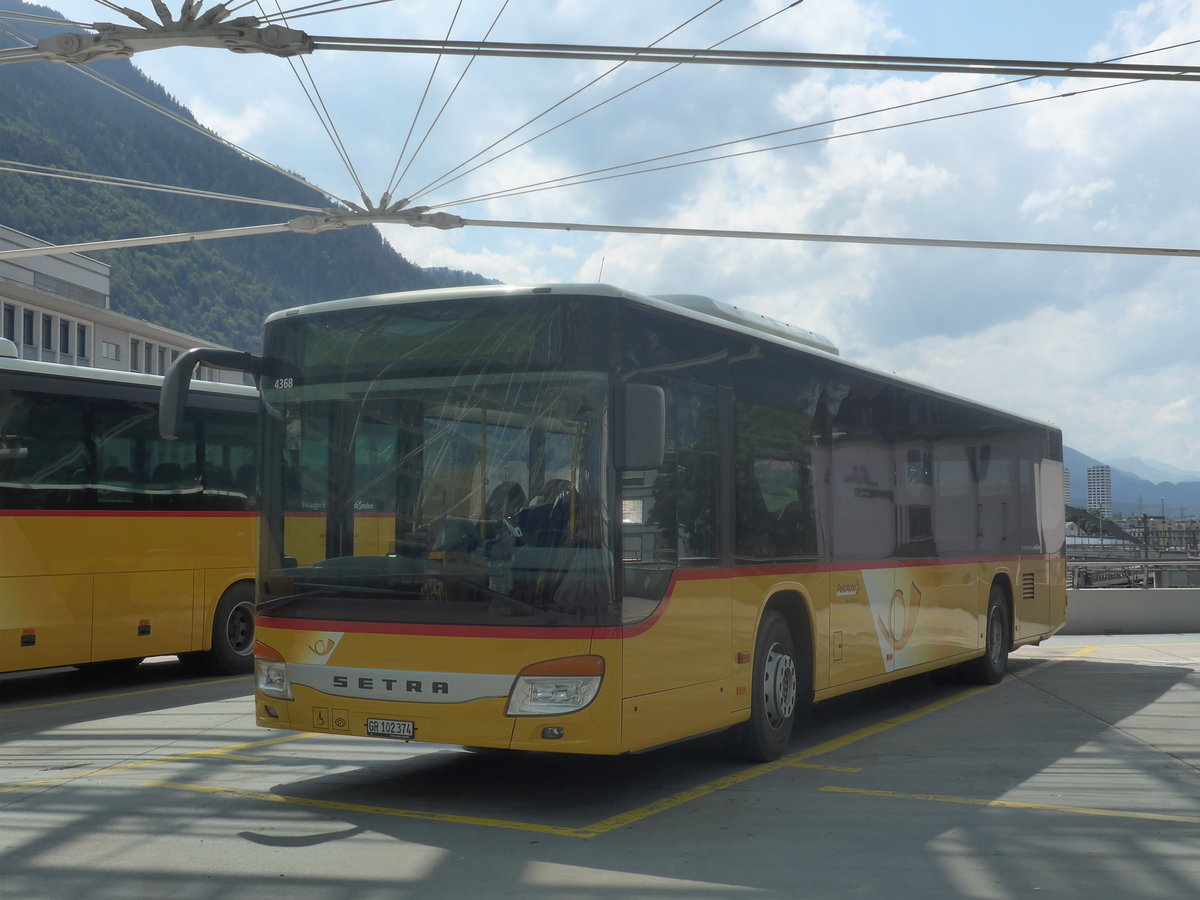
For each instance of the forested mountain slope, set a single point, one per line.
(52, 115)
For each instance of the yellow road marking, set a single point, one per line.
(1084, 651)
(1013, 804)
(795, 760)
(154, 690)
(376, 810)
(636, 815)
(219, 752)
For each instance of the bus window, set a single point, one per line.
(775, 509)
(138, 469)
(47, 466)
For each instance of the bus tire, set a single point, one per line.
(993, 665)
(775, 693)
(232, 650)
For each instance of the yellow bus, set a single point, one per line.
(116, 545)
(571, 518)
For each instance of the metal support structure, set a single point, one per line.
(420, 217)
(330, 220)
(193, 28)
(249, 34)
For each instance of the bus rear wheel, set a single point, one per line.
(232, 650)
(992, 666)
(775, 693)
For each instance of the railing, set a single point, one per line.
(1159, 596)
(1145, 574)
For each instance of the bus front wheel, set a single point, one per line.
(775, 693)
(232, 650)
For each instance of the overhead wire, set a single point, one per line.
(23, 168)
(445, 179)
(32, 19)
(421, 103)
(326, 119)
(311, 91)
(582, 177)
(396, 179)
(199, 129)
(303, 15)
(130, 94)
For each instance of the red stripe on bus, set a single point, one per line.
(611, 632)
(751, 571)
(126, 513)
(516, 632)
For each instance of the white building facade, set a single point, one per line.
(57, 309)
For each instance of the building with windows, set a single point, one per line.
(1066, 486)
(1099, 489)
(57, 309)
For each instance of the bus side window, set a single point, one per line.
(227, 473)
(47, 460)
(774, 501)
(139, 470)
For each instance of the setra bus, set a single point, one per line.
(571, 518)
(116, 545)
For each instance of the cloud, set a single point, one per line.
(1102, 345)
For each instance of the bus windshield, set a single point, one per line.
(417, 489)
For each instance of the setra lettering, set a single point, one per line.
(380, 685)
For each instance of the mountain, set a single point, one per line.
(1132, 493)
(1153, 470)
(56, 115)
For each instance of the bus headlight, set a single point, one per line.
(556, 686)
(270, 673)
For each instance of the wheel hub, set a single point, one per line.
(779, 686)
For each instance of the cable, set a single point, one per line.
(21, 168)
(178, 119)
(862, 62)
(581, 179)
(394, 183)
(325, 118)
(444, 179)
(570, 179)
(421, 103)
(842, 238)
(150, 104)
(13, 15)
(300, 15)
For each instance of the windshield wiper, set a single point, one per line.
(516, 605)
(322, 590)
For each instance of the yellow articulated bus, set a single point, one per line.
(571, 518)
(116, 545)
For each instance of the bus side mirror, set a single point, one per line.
(644, 435)
(174, 392)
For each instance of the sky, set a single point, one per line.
(1106, 347)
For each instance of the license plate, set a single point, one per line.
(391, 728)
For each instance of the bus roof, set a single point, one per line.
(114, 376)
(695, 307)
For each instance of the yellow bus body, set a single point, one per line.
(93, 586)
(683, 671)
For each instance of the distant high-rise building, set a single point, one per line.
(1099, 489)
(1066, 486)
